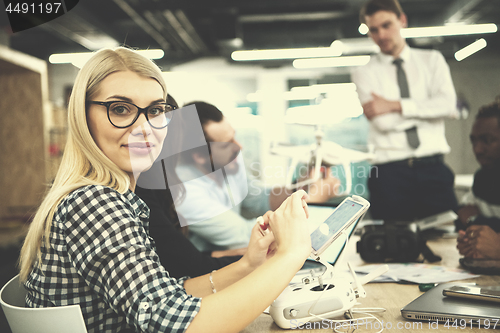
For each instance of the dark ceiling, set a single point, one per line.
(188, 29)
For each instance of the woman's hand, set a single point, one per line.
(289, 223)
(289, 226)
(260, 248)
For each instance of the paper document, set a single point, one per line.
(417, 273)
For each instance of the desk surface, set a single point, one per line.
(391, 296)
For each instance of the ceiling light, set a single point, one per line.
(449, 30)
(327, 87)
(255, 96)
(63, 58)
(298, 95)
(332, 62)
(360, 45)
(311, 92)
(273, 54)
(79, 59)
(328, 112)
(363, 29)
(470, 49)
(337, 48)
(337, 45)
(152, 54)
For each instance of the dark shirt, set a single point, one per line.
(177, 254)
(486, 187)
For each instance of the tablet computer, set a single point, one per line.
(342, 221)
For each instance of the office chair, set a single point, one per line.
(60, 319)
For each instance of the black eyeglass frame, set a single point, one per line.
(139, 111)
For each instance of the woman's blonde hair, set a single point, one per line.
(83, 163)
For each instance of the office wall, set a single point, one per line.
(61, 77)
(23, 144)
(477, 80)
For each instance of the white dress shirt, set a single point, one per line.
(432, 99)
(212, 210)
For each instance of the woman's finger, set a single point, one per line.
(298, 199)
(305, 207)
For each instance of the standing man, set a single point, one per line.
(406, 94)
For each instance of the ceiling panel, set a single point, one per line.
(188, 29)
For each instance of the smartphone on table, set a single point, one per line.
(478, 292)
(349, 211)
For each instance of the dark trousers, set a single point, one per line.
(401, 191)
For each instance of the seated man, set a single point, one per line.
(217, 188)
(164, 225)
(479, 215)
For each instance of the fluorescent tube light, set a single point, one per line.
(297, 95)
(255, 96)
(363, 29)
(273, 54)
(339, 47)
(449, 30)
(311, 92)
(363, 45)
(152, 54)
(328, 112)
(78, 59)
(332, 62)
(64, 58)
(327, 88)
(470, 49)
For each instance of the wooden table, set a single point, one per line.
(391, 296)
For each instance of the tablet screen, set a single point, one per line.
(334, 223)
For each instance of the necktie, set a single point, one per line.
(411, 133)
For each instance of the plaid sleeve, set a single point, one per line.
(112, 251)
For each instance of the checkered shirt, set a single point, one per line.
(102, 258)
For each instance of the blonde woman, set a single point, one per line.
(89, 241)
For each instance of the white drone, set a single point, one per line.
(321, 151)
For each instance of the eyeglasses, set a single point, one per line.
(125, 114)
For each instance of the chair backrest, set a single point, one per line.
(60, 319)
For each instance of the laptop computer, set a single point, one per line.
(433, 306)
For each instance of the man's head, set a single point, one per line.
(220, 137)
(485, 136)
(385, 19)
